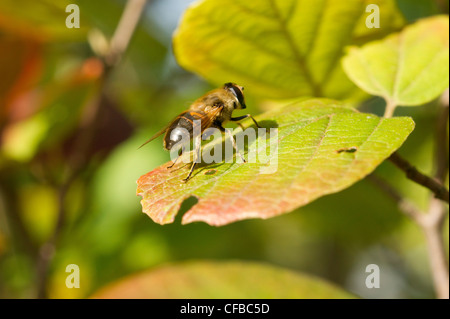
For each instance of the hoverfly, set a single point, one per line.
(212, 110)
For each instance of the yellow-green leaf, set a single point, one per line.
(212, 280)
(408, 68)
(277, 48)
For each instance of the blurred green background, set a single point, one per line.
(50, 75)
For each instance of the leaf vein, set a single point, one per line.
(302, 168)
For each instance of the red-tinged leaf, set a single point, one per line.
(20, 62)
(203, 279)
(323, 148)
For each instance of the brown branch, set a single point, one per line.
(441, 146)
(119, 43)
(413, 174)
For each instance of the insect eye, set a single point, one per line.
(234, 91)
(233, 88)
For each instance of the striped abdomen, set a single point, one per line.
(184, 122)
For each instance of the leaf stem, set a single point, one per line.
(390, 108)
(413, 174)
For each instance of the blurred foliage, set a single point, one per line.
(236, 280)
(52, 77)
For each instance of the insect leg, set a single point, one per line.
(190, 172)
(198, 144)
(228, 132)
(179, 155)
(235, 119)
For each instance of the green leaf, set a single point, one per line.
(277, 48)
(321, 148)
(416, 9)
(223, 280)
(408, 68)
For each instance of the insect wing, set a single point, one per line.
(164, 130)
(208, 117)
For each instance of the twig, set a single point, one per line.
(13, 221)
(432, 226)
(441, 146)
(119, 43)
(47, 250)
(437, 211)
(413, 174)
(125, 30)
(405, 206)
(431, 223)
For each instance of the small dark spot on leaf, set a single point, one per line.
(211, 172)
(352, 149)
